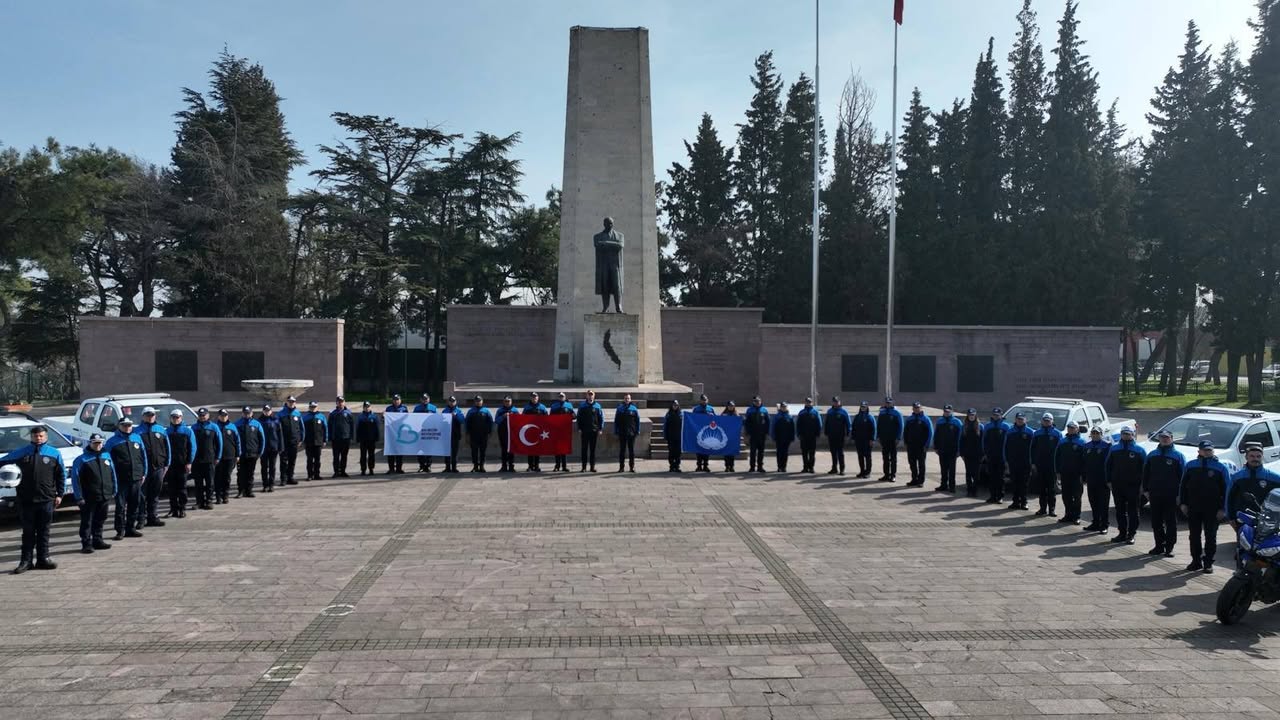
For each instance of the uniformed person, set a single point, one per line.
(1252, 479)
(1095, 482)
(367, 434)
(672, 428)
(946, 443)
(253, 439)
(917, 435)
(1044, 451)
(864, 435)
(626, 426)
(971, 438)
(182, 445)
(130, 460)
(534, 407)
(230, 459)
(1068, 463)
(479, 428)
(784, 433)
(272, 442)
(155, 441)
(703, 462)
(808, 430)
(1125, 463)
(292, 435)
(837, 426)
(39, 492)
(395, 463)
(730, 409)
(208, 453)
(1202, 496)
(1017, 455)
(561, 406)
(93, 481)
(756, 422)
(1161, 478)
(315, 433)
(589, 418)
(888, 432)
(424, 406)
(457, 427)
(500, 421)
(342, 428)
(993, 436)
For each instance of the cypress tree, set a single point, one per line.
(756, 179)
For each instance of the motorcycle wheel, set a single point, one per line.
(1234, 600)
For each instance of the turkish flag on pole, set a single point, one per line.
(540, 434)
(897, 11)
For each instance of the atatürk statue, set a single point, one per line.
(608, 244)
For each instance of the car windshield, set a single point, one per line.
(134, 413)
(1190, 431)
(1035, 412)
(16, 436)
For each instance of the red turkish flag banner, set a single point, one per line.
(540, 434)
(897, 11)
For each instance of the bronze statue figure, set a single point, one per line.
(608, 243)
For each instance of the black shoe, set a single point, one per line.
(249, 495)
(1168, 552)
(992, 501)
(132, 534)
(100, 545)
(86, 550)
(1065, 520)
(1091, 527)
(1053, 513)
(633, 468)
(1195, 565)
(1156, 551)
(1130, 541)
(155, 522)
(622, 468)
(1208, 567)
(23, 566)
(1041, 512)
(119, 536)
(46, 564)
(270, 490)
(1119, 539)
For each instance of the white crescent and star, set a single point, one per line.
(542, 434)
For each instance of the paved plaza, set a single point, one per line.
(710, 596)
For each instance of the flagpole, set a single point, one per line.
(893, 220)
(813, 321)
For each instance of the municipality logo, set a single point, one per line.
(712, 437)
(406, 435)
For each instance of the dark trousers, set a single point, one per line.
(202, 476)
(589, 440)
(673, 459)
(269, 470)
(836, 444)
(972, 468)
(1126, 510)
(703, 461)
(562, 462)
(916, 457)
(424, 463)
(1100, 503)
(395, 463)
(755, 454)
(889, 458)
(288, 460)
(451, 462)
(533, 462)
(808, 453)
(368, 453)
(781, 451)
(36, 519)
(175, 481)
(1048, 490)
(728, 462)
(479, 448)
(93, 515)
(244, 475)
(152, 484)
(340, 450)
(864, 458)
(995, 478)
(947, 468)
(313, 462)
(1018, 479)
(1206, 522)
(128, 504)
(1072, 489)
(222, 477)
(508, 460)
(627, 451)
(1164, 521)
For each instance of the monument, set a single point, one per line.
(608, 173)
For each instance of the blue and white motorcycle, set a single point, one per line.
(1257, 576)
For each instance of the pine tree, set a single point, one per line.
(918, 229)
(792, 268)
(979, 230)
(1025, 135)
(756, 173)
(699, 206)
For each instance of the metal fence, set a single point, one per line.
(28, 384)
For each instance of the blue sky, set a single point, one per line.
(109, 73)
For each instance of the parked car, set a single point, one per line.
(1228, 429)
(1271, 372)
(100, 414)
(15, 432)
(1085, 413)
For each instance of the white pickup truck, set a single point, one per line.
(1228, 429)
(101, 414)
(15, 432)
(1084, 413)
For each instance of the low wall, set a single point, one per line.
(718, 347)
(501, 344)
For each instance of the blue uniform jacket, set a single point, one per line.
(704, 409)
(952, 421)
(1126, 460)
(889, 425)
(184, 430)
(308, 416)
(863, 427)
(272, 435)
(837, 415)
(1017, 447)
(45, 451)
(993, 437)
(248, 425)
(916, 426)
(235, 433)
(397, 408)
(1044, 446)
(85, 457)
(538, 409)
(424, 408)
(1078, 446)
(133, 437)
(217, 431)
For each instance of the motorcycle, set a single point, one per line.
(1257, 576)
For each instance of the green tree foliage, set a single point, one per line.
(789, 295)
(701, 219)
(919, 194)
(756, 173)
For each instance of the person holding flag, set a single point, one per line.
(536, 432)
(672, 426)
(425, 406)
(501, 421)
(731, 410)
(534, 407)
(561, 406)
(457, 421)
(626, 426)
(758, 427)
(590, 420)
(702, 408)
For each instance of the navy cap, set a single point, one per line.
(835, 398)
(1019, 416)
(246, 409)
(222, 411)
(202, 411)
(730, 404)
(366, 403)
(266, 408)
(395, 397)
(313, 403)
(863, 404)
(808, 400)
(888, 399)
(339, 399)
(126, 420)
(915, 404)
(972, 411)
(292, 399)
(1073, 424)
(997, 411)
(947, 407)
(453, 399)
(1251, 446)
(1206, 445)
(96, 437)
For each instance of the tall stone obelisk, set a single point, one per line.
(608, 171)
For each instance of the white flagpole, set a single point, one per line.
(893, 220)
(813, 323)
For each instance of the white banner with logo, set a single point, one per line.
(416, 434)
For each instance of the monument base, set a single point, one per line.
(610, 350)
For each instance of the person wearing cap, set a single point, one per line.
(946, 443)
(272, 442)
(1044, 452)
(783, 432)
(155, 444)
(182, 446)
(534, 407)
(291, 434)
(479, 423)
(39, 492)
(315, 433)
(342, 428)
(130, 460)
(993, 437)
(425, 406)
(1017, 456)
(253, 441)
(971, 429)
(589, 417)
(703, 462)
(756, 423)
(837, 426)
(500, 421)
(808, 430)
(1252, 479)
(230, 458)
(1125, 463)
(395, 463)
(1095, 482)
(1068, 463)
(561, 406)
(888, 432)
(672, 425)
(731, 408)
(93, 482)
(367, 433)
(626, 426)
(205, 458)
(864, 432)
(1161, 477)
(1202, 497)
(458, 423)
(917, 435)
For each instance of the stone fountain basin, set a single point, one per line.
(276, 389)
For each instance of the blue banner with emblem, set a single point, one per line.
(704, 434)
